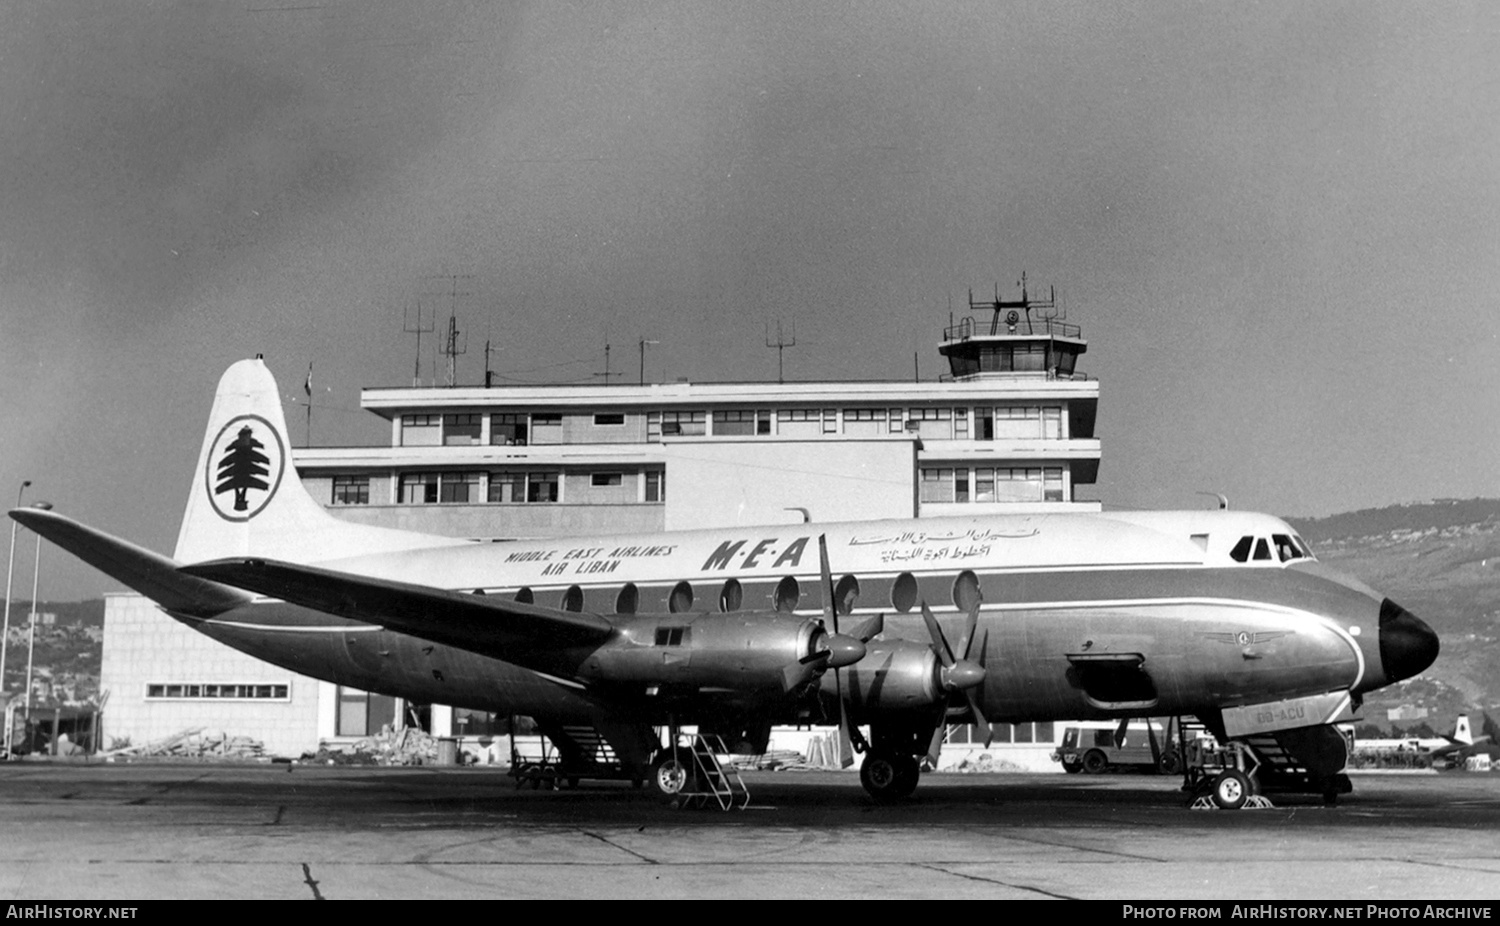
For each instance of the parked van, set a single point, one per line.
(1096, 746)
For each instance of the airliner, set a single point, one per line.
(1225, 615)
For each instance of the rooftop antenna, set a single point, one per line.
(644, 342)
(607, 374)
(451, 348)
(307, 388)
(1013, 317)
(417, 329)
(781, 344)
(489, 377)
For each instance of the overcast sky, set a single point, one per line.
(1278, 224)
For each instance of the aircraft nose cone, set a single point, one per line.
(843, 650)
(1407, 644)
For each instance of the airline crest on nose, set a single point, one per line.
(244, 468)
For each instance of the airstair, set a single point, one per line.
(712, 779)
(564, 755)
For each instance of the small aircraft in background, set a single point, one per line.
(897, 626)
(1450, 749)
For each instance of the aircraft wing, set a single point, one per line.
(151, 574)
(491, 626)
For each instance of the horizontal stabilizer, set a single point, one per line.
(482, 624)
(151, 574)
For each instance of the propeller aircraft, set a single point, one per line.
(1224, 615)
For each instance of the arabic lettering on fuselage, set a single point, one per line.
(927, 554)
(972, 535)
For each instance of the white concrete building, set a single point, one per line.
(1009, 429)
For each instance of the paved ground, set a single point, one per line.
(221, 831)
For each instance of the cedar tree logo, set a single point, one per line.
(245, 466)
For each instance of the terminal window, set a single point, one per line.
(351, 490)
(519, 488)
(363, 714)
(734, 422)
(461, 430)
(421, 430)
(683, 423)
(217, 691)
(435, 488)
(508, 429)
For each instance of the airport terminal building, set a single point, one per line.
(1009, 428)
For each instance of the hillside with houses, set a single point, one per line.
(1441, 561)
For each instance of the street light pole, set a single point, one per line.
(5, 633)
(36, 576)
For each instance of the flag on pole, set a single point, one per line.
(307, 386)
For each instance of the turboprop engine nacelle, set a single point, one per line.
(767, 652)
(894, 676)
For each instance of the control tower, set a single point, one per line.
(1024, 337)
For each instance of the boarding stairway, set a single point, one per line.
(1263, 758)
(565, 755)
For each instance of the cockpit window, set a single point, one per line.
(1262, 549)
(1241, 551)
(1287, 549)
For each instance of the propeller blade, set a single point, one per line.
(935, 745)
(967, 639)
(972, 694)
(869, 629)
(830, 609)
(939, 642)
(846, 742)
(796, 675)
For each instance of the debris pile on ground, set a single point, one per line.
(193, 743)
(771, 761)
(406, 746)
(985, 762)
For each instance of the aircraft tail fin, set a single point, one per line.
(151, 574)
(1461, 731)
(247, 498)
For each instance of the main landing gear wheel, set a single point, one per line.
(671, 775)
(889, 777)
(1231, 789)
